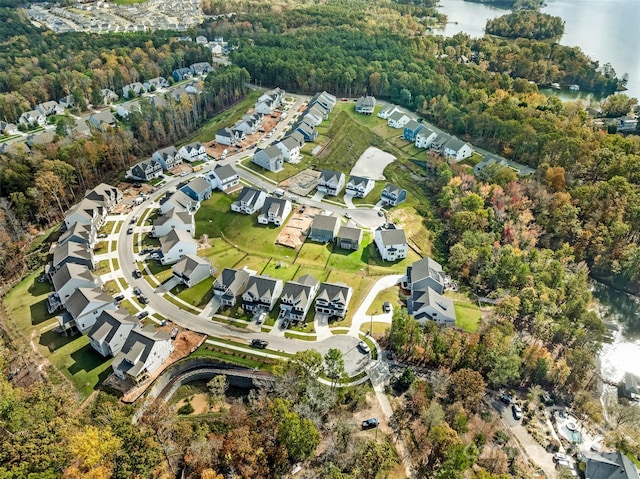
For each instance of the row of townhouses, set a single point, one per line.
(166, 159)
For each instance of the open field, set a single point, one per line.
(392, 295)
(198, 295)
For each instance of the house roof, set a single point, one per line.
(349, 233)
(324, 222)
(424, 297)
(137, 348)
(169, 151)
(71, 271)
(274, 207)
(297, 136)
(272, 152)
(392, 189)
(187, 265)
(108, 323)
(180, 198)
(174, 237)
(261, 286)
(103, 117)
(413, 125)
(299, 291)
(359, 180)
(82, 297)
(396, 115)
(250, 195)
(392, 236)
(198, 185)
(79, 230)
(178, 213)
(425, 268)
(193, 146)
(366, 102)
(104, 194)
(330, 176)
(454, 144)
(609, 465)
(224, 172)
(388, 109)
(224, 132)
(290, 143)
(425, 132)
(334, 292)
(70, 250)
(231, 279)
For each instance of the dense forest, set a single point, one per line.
(526, 24)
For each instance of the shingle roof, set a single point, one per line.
(329, 175)
(82, 297)
(199, 185)
(261, 286)
(71, 271)
(189, 263)
(108, 323)
(224, 172)
(349, 233)
(324, 222)
(358, 180)
(173, 238)
(392, 236)
(333, 292)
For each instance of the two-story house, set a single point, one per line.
(349, 238)
(427, 304)
(393, 195)
(175, 245)
(297, 297)
(424, 138)
(425, 272)
(198, 189)
(49, 108)
(111, 330)
(86, 212)
(228, 137)
(142, 354)
(456, 150)
(270, 101)
(106, 195)
(398, 119)
(84, 306)
(32, 118)
(230, 285)
(69, 252)
(411, 130)
(261, 294)
(193, 269)
(102, 120)
(223, 178)
(108, 96)
(331, 182)
(168, 157)
(68, 278)
(366, 105)
(275, 211)
(180, 200)
(133, 90)
(391, 243)
(156, 83)
(146, 170)
(324, 228)
(249, 201)
(201, 68)
(175, 219)
(325, 99)
(359, 186)
(8, 129)
(333, 299)
(270, 158)
(290, 149)
(193, 152)
(306, 130)
(387, 111)
(180, 74)
(80, 233)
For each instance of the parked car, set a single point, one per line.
(284, 324)
(137, 185)
(259, 343)
(506, 398)
(184, 173)
(143, 314)
(154, 255)
(559, 456)
(119, 298)
(347, 215)
(563, 463)
(517, 412)
(174, 333)
(370, 423)
(386, 307)
(261, 318)
(130, 230)
(137, 274)
(137, 291)
(102, 235)
(380, 214)
(364, 347)
(143, 299)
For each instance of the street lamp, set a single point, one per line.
(371, 325)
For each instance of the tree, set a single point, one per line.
(468, 387)
(334, 364)
(307, 364)
(217, 388)
(405, 380)
(94, 450)
(299, 435)
(373, 458)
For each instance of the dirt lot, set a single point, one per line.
(295, 232)
(302, 183)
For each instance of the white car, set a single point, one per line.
(184, 173)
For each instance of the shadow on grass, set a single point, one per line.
(53, 340)
(85, 359)
(39, 313)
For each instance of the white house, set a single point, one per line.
(69, 252)
(133, 90)
(8, 128)
(391, 243)
(456, 149)
(366, 105)
(270, 158)
(111, 330)
(223, 177)
(193, 152)
(84, 306)
(333, 299)
(178, 199)
(108, 96)
(249, 201)
(176, 219)
(274, 210)
(230, 285)
(106, 195)
(227, 137)
(66, 281)
(80, 233)
(168, 157)
(297, 297)
(261, 293)
(398, 120)
(145, 170)
(290, 149)
(142, 354)
(123, 110)
(156, 84)
(86, 212)
(427, 304)
(193, 269)
(175, 245)
(424, 138)
(359, 186)
(270, 101)
(32, 118)
(50, 108)
(423, 273)
(387, 111)
(331, 182)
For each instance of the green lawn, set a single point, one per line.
(230, 356)
(198, 295)
(288, 170)
(222, 254)
(280, 269)
(118, 227)
(101, 248)
(107, 228)
(392, 295)
(302, 337)
(369, 121)
(315, 255)
(26, 304)
(468, 316)
(128, 305)
(179, 304)
(128, 2)
(378, 327)
(254, 263)
(111, 287)
(374, 195)
(361, 284)
(103, 267)
(150, 242)
(160, 271)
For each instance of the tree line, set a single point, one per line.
(530, 24)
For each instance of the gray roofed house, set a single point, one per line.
(325, 99)
(425, 272)
(297, 136)
(398, 119)
(490, 162)
(270, 158)
(50, 108)
(71, 253)
(324, 228)
(359, 186)
(176, 218)
(411, 130)
(133, 90)
(178, 199)
(297, 297)
(223, 177)
(87, 212)
(228, 137)
(261, 293)
(102, 120)
(111, 330)
(67, 101)
(392, 243)
(156, 83)
(249, 201)
(108, 96)
(66, 280)
(349, 238)
(201, 68)
(41, 138)
(175, 245)
(274, 210)
(79, 233)
(333, 299)
(393, 195)
(425, 137)
(631, 386)
(387, 111)
(230, 284)
(609, 465)
(428, 305)
(193, 269)
(193, 152)
(168, 157)
(84, 306)
(306, 130)
(456, 149)
(106, 195)
(366, 105)
(142, 354)
(198, 189)
(290, 149)
(331, 182)
(8, 128)
(145, 170)
(32, 117)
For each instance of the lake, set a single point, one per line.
(606, 30)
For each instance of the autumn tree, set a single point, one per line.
(94, 450)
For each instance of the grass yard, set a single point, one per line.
(230, 356)
(128, 2)
(123, 283)
(111, 287)
(280, 270)
(288, 170)
(392, 295)
(101, 248)
(254, 263)
(374, 195)
(319, 274)
(26, 304)
(107, 228)
(378, 328)
(180, 304)
(198, 295)
(315, 255)
(468, 315)
(222, 254)
(118, 227)
(361, 284)
(369, 121)
(103, 267)
(160, 271)
(128, 305)
(150, 242)
(302, 337)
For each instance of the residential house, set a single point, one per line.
(146, 170)
(198, 189)
(306, 130)
(223, 177)
(156, 83)
(228, 137)
(41, 138)
(84, 306)
(142, 354)
(230, 285)
(359, 186)
(175, 219)
(425, 304)
(79, 233)
(349, 237)
(168, 157)
(274, 210)
(133, 90)
(86, 212)
(49, 108)
(32, 118)
(325, 99)
(423, 273)
(491, 163)
(180, 74)
(270, 158)
(393, 195)
(387, 111)
(391, 243)
(324, 228)
(178, 199)
(175, 245)
(626, 123)
(8, 129)
(261, 294)
(202, 39)
(314, 116)
(249, 201)
(424, 138)
(111, 330)
(249, 124)
(366, 105)
(456, 149)
(70, 253)
(156, 101)
(398, 120)
(630, 387)
(108, 96)
(193, 152)
(608, 465)
(123, 110)
(290, 149)
(411, 130)
(105, 195)
(66, 280)
(333, 299)
(296, 136)
(102, 120)
(201, 68)
(193, 269)
(270, 101)
(67, 101)
(331, 182)
(81, 128)
(320, 109)
(297, 297)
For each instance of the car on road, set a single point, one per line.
(143, 314)
(259, 343)
(347, 215)
(119, 298)
(137, 291)
(517, 412)
(370, 423)
(386, 307)
(506, 398)
(380, 214)
(184, 173)
(143, 299)
(137, 274)
(130, 230)
(102, 235)
(364, 347)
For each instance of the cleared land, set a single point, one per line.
(372, 163)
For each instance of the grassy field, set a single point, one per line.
(198, 295)
(392, 295)
(222, 254)
(288, 170)
(468, 315)
(180, 305)
(378, 327)
(160, 271)
(101, 248)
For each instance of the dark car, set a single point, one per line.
(137, 291)
(119, 298)
(137, 185)
(380, 214)
(137, 274)
(370, 423)
(143, 314)
(143, 299)
(517, 412)
(259, 343)
(506, 398)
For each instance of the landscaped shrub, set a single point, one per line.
(186, 409)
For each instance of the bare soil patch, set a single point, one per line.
(295, 232)
(301, 183)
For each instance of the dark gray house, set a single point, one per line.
(349, 237)
(324, 228)
(230, 285)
